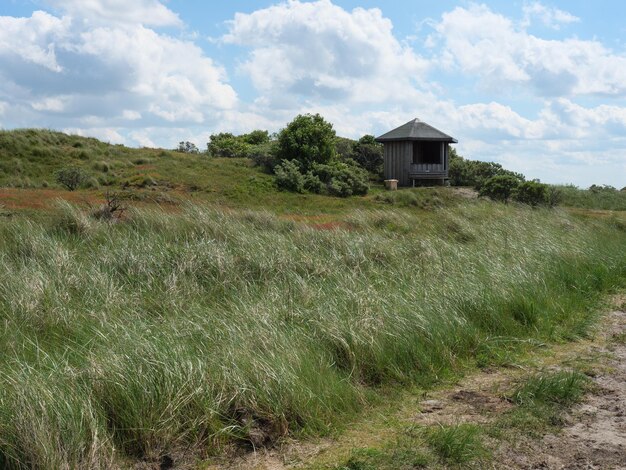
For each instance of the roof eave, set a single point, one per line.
(382, 140)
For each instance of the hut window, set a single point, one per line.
(427, 152)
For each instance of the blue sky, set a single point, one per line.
(539, 86)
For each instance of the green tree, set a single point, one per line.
(500, 187)
(344, 148)
(256, 137)
(369, 154)
(308, 139)
(187, 147)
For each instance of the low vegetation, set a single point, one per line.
(596, 197)
(161, 333)
(560, 388)
(239, 171)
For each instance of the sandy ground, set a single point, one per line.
(595, 434)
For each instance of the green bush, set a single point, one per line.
(475, 173)
(369, 154)
(532, 193)
(312, 183)
(264, 155)
(256, 137)
(71, 177)
(342, 179)
(227, 145)
(289, 177)
(309, 139)
(554, 196)
(500, 187)
(344, 148)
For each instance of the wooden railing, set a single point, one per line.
(427, 168)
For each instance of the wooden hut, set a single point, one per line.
(415, 153)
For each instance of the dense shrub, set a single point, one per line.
(554, 196)
(256, 137)
(500, 187)
(342, 178)
(289, 177)
(369, 154)
(264, 155)
(71, 177)
(336, 178)
(227, 145)
(344, 148)
(312, 183)
(309, 139)
(475, 173)
(532, 193)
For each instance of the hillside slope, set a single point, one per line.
(29, 159)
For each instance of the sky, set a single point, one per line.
(538, 86)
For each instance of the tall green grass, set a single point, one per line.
(604, 198)
(185, 332)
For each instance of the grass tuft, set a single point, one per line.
(459, 444)
(562, 388)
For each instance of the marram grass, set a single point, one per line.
(186, 332)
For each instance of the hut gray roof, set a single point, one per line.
(415, 130)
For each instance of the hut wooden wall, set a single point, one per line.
(398, 157)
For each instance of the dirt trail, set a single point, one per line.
(594, 435)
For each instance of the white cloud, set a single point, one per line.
(97, 12)
(142, 138)
(488, 45)
(49, 104)
(173, 73)
(64, 66)
(130, 115)
(106, 134)
(317, 50)
(549, 16)
(32, 39)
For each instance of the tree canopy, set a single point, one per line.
(309, 139)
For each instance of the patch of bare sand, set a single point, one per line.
(595, 434)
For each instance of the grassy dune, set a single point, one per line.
(182, 333)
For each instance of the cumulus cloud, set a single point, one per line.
(32, 39)
(490, 46)
(146, 12)
(318, 50)
(548, 16)
(49, 104)
(106, 134)
(69, 67)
